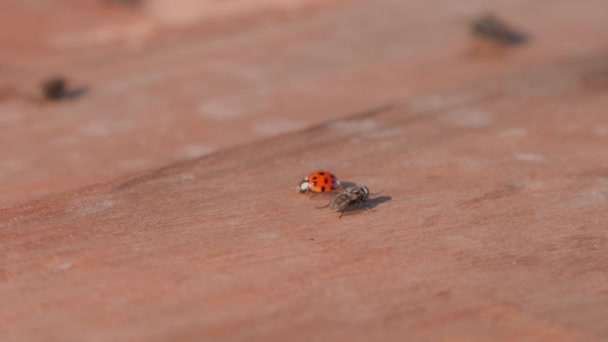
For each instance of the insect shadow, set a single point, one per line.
(366, 206)
(376, 201)
(76, 92)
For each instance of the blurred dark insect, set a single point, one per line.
(56, 88)
(492, 28)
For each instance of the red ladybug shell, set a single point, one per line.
(319, 181)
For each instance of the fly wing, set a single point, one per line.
(340, 202)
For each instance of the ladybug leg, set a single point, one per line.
(325, 206)
(341, 213)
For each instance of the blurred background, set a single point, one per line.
(91, 90)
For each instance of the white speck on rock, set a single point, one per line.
(232, 108)
(10, 115)
(11, 166)
(132, 35)
(427, 103)
(598, 195)
(469, 118)
(601, 130)
(196, 150)
(183, 14)
(242, 71)
(271, 236)
(96, 130)
(95, 207)
(274, 127)
(386, 133)
(221, 110)
(187, 177)
(64, 266)
(513, 133)
(354, 126)
(530, 158)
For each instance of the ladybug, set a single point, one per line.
(319, 181)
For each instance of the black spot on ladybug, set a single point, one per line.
(326, 181)
(314, 178)
(323, 189)
(322, 173)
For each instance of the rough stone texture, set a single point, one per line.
(488, 222)
(170, 94)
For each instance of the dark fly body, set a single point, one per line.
(348, 198)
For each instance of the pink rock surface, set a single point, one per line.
(160, 93)
(161, 204)
(490, 224)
